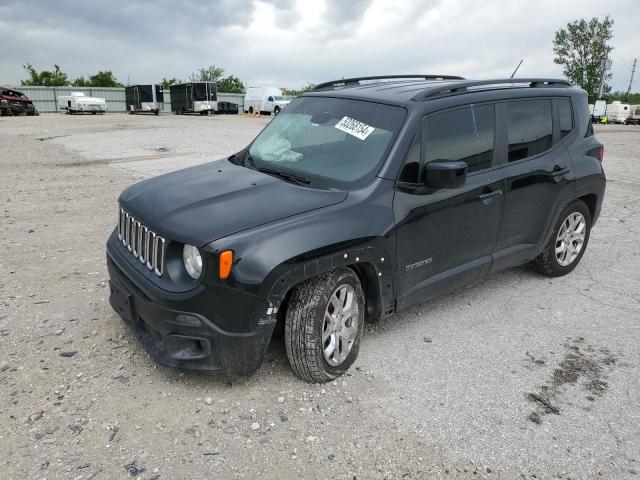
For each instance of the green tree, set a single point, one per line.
(633, 98)
(230, 84)
(104, 78)
(81, 82)
(580, 48)
(207, 74)
(167, 82)
(296, 92)
(45, 78)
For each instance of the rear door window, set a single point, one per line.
(461, 135)
(530, 126)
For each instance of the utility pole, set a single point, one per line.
(633, 70)
(606, 65)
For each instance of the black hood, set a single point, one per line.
(200, 204)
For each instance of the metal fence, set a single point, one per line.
(46, 98)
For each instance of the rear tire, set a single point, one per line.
(276, 111)
(568, 241)
(323, 325)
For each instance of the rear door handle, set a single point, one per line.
(484, 196)
(557, 171)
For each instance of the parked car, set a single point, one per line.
(144, 98)
(265, 100)
(78, 102)
(618, 112)
(362, 198)
(14, 102)
(194, 97)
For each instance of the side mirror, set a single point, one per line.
(440, 174)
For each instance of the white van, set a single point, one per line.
(599, 110)
(265, 100)
(77, 102)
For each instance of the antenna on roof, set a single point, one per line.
(514, 72)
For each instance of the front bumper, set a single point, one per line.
(176, 335)
(19, 108)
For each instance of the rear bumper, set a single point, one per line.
(177, 336)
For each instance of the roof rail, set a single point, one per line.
(463, 87)
(354, 82)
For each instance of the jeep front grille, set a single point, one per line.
(143, 243)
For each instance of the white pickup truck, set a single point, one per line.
(265, 100)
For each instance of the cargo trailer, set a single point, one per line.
(144, 99)
(194, 97)
(634, 119)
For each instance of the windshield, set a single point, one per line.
(333, 142)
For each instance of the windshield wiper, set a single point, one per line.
(251, 162)
(285, 175)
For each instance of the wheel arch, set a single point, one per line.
(369, 280)
(368, 262)
(591, 200)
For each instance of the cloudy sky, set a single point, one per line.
(293, 42)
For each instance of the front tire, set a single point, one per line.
(568, 241)
(324, 324)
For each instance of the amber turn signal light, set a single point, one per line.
(226, 262)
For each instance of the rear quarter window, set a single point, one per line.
(565, 116)
(530, 126)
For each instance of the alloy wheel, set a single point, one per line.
(340, 325)
(570, 239)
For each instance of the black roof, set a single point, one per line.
(405, 88)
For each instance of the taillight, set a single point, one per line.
(597, 152)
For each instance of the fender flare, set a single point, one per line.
(369, 261)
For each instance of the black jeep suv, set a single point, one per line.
(363, 197)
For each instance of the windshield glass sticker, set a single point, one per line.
(354, 127)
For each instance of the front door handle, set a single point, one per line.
(558, 172)
(486, 195)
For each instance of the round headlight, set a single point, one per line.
(192, 261)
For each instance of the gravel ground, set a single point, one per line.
(521, 376)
